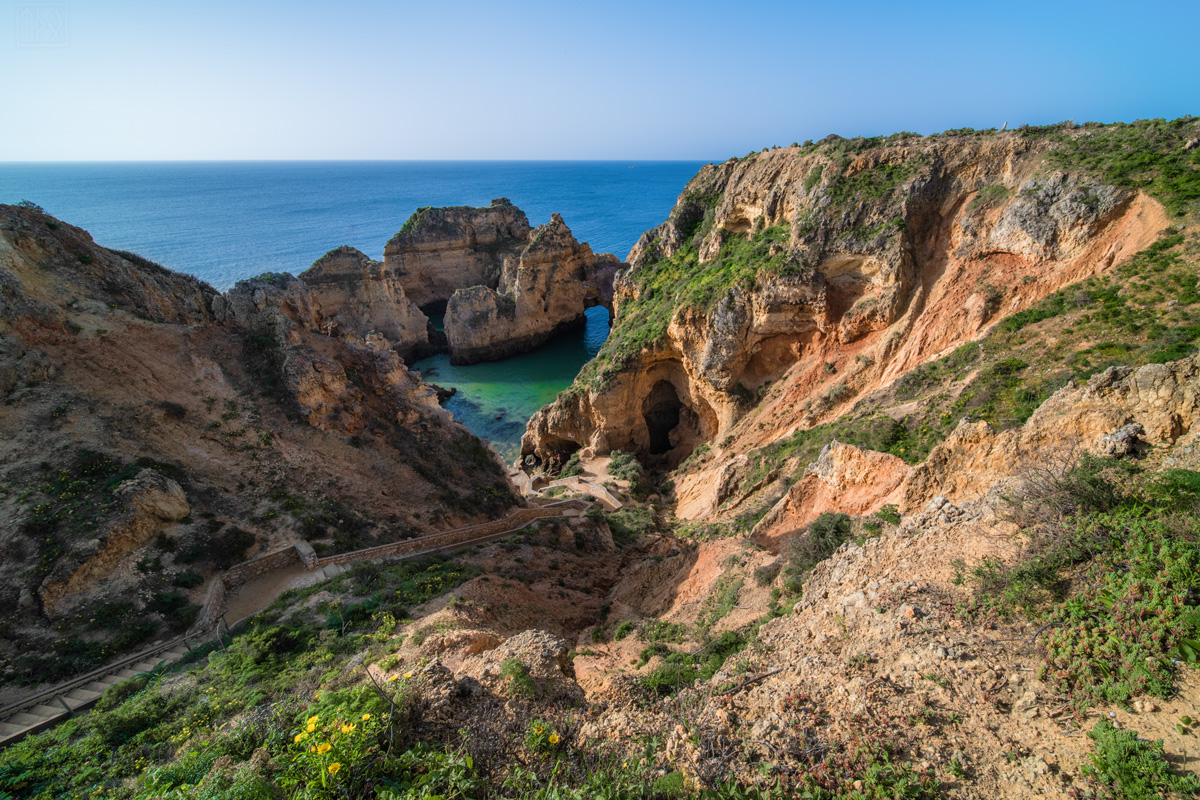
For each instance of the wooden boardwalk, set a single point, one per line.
(58, 703)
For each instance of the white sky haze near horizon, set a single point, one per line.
(120, 80)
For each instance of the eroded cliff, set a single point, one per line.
(156, 430)
(500, 286)
(824, 272)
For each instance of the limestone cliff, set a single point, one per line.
(362, 296)
(442, 250)
(504, 287)
(155, 430)
(541, 292)
(856, 258)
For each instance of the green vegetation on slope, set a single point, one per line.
(159, 736)
(667, 285)
(1152, 155)
(1112, 569)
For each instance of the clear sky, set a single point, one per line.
(111, 79)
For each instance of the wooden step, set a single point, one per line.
(99, 687)
(76, 702)
(28, 720)
(47, 710)
(126, 673)
(145, 666)
(82, 694)
(8, 729)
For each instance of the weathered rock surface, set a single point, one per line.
(361, 296)
(442, 250)
(968, 231)
(1163, 400)
(504, 287)
(152, 500)
(844, 478)
(275, 416)
(540, 293)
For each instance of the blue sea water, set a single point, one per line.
(225, 221)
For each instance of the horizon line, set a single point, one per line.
(365, 161)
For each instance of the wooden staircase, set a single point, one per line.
(59, 703)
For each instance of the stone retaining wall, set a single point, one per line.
(301, 553)
(247, 571)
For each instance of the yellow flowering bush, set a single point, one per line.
(541, 737)
(331, 756)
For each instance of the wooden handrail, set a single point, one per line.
(365, 553)
(82, 680)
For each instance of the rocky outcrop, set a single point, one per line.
(844, 478)
(442, 250)
(504, 287)
(330, 385)
(88, 276)
(361, 296)
(540, 293)
(151, 501)
(1158, 401)
(864, 259)
(277, 419)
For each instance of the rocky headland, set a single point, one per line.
(501, 286)
(894, 452)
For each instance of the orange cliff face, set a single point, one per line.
(934, 241)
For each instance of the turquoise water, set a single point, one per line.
(496, 399)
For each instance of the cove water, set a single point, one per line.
(225, 221)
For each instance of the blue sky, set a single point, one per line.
(566, 80)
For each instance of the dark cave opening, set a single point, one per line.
(661, 410)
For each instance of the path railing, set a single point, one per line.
(212, 612)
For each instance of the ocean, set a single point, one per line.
(226, 221)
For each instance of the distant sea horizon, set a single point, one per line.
(225, 221)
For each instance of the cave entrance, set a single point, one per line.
(661, 410)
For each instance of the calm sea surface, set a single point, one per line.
(223, 222)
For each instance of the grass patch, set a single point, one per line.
(1112, 569)
(1126, 766)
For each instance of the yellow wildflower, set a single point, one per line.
(554, 738)
(324, 747)
(348, 728)
(334, 767)
(311, 720)
(393, 678)
(311, 727)
(407, 675)
(366, 717)
(300, 737)
(537, 729)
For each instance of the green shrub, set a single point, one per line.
(520, 683)
(622, 630)
(1126, 767)
(889, 514)
(673, 784)
(572, 467)
(630, 523)
(826, 534)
